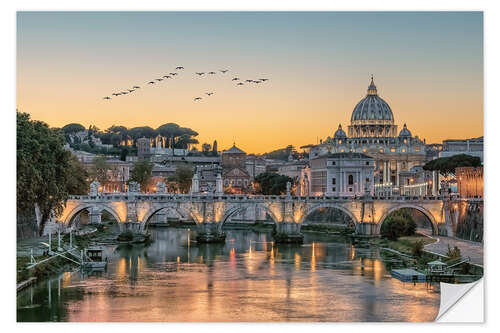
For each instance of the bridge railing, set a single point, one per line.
(242, 197)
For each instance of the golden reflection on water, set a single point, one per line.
(245, 281)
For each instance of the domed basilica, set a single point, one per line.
(373, 133)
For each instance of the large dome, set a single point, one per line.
(372, 108)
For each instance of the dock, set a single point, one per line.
(408, 275)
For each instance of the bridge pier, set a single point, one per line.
(210, 232)
(94, 216)
(367, 229)
(135, 227)
(288, 232)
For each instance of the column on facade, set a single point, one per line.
(397, 173)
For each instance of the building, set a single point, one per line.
(255, 165)
(373, 132)
(416, 182)
(143, 148)
(469, 182)
(292, 169)
(473, 147)
(207, 177)
(338, 174)
(235, 176)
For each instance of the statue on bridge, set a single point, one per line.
(161, 187)
(94, 188)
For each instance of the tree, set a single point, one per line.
(73, 128)
(183, 176)
(214, 148)
(77, 184)
(270, 183)
(121, 131)
(99, 170)
(142, 173)
(393, 228)
(447, 165)
(205, 149)
(43, 168)
(142, 131)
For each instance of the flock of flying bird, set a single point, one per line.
(172, 74)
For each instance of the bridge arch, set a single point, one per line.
(421, 209)
(329, 205)
(241, 207)
(78, 209)
(156, 209)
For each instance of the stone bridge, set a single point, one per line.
(133, 211)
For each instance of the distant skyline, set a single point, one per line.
(428, 66)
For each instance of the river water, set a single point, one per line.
(246, 279)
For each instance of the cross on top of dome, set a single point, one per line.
(372, 89)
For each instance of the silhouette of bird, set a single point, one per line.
(223, 71)
(167, 76)
(240, 84)
(235, 79)
(209, 93)
(159, 80)
(124, 93)
(179, 67)
(200, 73)
(136, 87)
(197, 98)
(151, 82)
(264, 80)
(256, 81)
(130, 90)
(173, 74)
(248, 80)
(115, 94)
(211, 72)
(107, 97)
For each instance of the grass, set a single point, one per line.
(405, 244)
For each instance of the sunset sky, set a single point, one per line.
(427, 66)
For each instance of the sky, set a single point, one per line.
(428, 66)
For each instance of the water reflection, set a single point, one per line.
(249, 278)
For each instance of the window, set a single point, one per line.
(367, 163)
(342, 150)
(393, 150)
(367, 180)
(403, 150)
(334, 181)
(334, 189)
(350, 189)
(364, 150)
(351, 180)
(333, 163)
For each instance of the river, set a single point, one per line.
(246, 279)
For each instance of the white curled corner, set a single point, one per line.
(462, 303)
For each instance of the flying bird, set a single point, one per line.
(159, 80)
(124, 93)
(115, 94)
(197, 98)
(172, 74)
(248, 80)
(130, 90)
(223, 71)
(151, 82)
(211, 72)
(209, 93)
(200, 73)
(264, 80)
(240, 84)
(167, 76)
(179, 67)
(235, 79)
(136, 87)
(107, 97)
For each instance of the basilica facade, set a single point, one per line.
(373, 132)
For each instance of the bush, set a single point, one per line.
(399, 223)
(453, 253)
(418, 248)
(126, 236)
